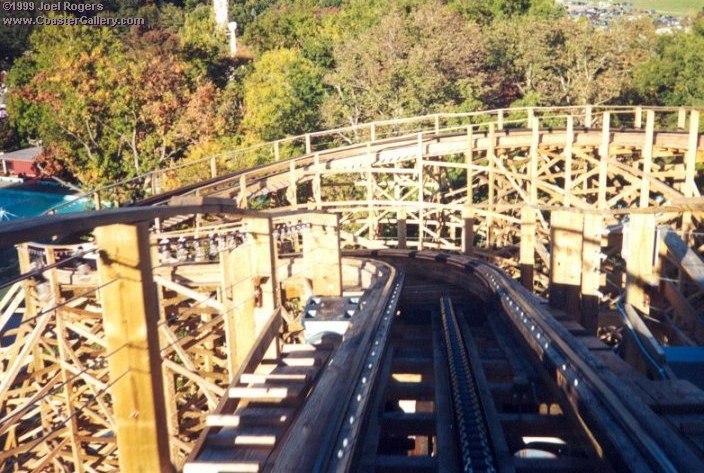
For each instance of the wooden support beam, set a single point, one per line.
(237, 290)
(401, 228)
(370, 185)
(317, 197)
(321, 255)
(565, 257)
(242, 199)
(421, 188)
(690, 188)
(66, 380)
(588, 120)
(130, 318)
(533, 165)
(640, 246)
(491, 198)
(591, 265)
(569, 141)
(292, 191)
(647, 156)
(213, 167)
(681, 118)
(638, 118)
(263, 256)
(468, 155)
(691, 263)
(527, 246)
(200, 298)
(604, 160)
(685, 316)
(468, 230)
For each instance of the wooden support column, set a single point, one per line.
(640, 246)
(565, 260)
(530, 118)
(604, 160)
(308, 145)
(468, 230)
(263, 256)
(66, 377)
(130, 318)
(317, 195)
(401, 228)
(372, 132)
(491, 156)
(533, 165)
(588, 119)
(419, 172)
(213, 167)
(638, 118)
(277, 151)
(321, 255)
(371, 214)
(647, 156)
(292, 191)
(569, 141)
(681, 118)
(591, 275)
(527, 246)
(500, 120)
(242, 201)
(468, 155)
(237, 288)
(690, 186)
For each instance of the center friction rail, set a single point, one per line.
(474, 444)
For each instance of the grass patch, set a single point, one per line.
(672, 7)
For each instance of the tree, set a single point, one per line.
(204, 46)
(413, 62)
(8, 136)
(563, 62)
(486, 11)
(282, 96)
(673, 74)
(108, 108)
(292, 26)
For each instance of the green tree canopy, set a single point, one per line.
(674, 75)
(412, 62)
(563, 62)
(282, 96)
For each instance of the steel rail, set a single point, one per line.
(637, 435)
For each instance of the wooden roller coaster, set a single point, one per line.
(510, 290)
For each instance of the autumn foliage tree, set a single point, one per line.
(112, 108)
